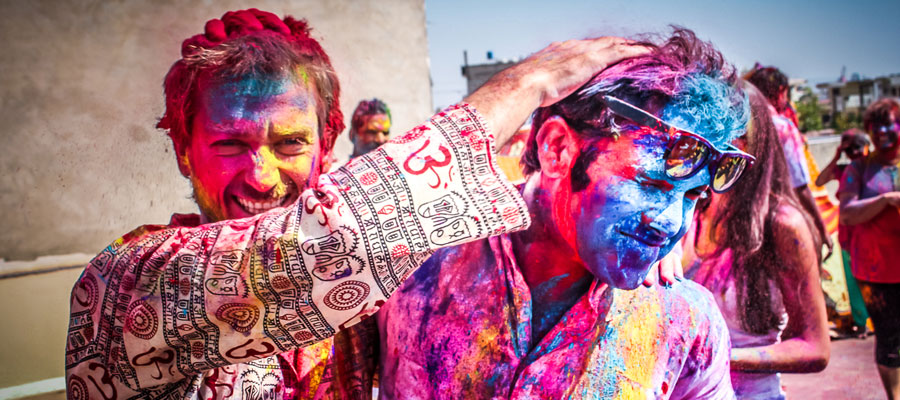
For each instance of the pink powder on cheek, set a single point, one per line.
(662, 184)
(617, 158)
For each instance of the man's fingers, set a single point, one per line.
(670, 269)
(667, 271)
(652, 275)
(679, 270)
(632, 49)
(566, 66)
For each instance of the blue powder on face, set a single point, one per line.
(708, 107)
(255, 86)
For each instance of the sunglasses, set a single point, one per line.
(887, 135)
(688, 153)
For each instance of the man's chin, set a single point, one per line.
(622, 277)
(630, 281)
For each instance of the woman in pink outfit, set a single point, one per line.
(757, 251)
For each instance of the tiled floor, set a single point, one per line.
(851, 374)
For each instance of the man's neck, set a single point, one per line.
(552, 269)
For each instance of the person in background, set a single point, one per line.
(773, 84)
(370, 126)
(870, 203)
(855, 145)
(757, 250)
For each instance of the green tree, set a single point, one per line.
(809, 114)
(847, 120)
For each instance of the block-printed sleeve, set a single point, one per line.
(158, 306)
(707, 373)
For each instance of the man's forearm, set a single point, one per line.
(159, 306)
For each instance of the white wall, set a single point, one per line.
(81, 89)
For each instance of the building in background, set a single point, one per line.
(854, 95)
(477, 74)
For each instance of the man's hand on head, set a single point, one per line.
(545, 78)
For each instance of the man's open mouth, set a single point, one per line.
(257, 207)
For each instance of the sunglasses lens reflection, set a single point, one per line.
(687, 155)
(729, 170)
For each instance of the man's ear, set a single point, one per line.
(184, 163)
(557, 147)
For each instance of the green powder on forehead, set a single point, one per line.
(302, 74)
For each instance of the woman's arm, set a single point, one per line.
(827, 173)
(805, 345)
(855, 211)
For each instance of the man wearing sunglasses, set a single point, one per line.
(613, 174)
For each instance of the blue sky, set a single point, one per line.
(806, 39)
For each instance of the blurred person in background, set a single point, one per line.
(773, 84)
(757, 250)
(855, 145)
(370, 126)
(870, 197)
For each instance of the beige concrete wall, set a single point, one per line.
(35, 314)
(81, 89)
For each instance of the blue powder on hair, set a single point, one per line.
(709, 107)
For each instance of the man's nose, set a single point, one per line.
(264, 174)
(382, 138)
(669, 221)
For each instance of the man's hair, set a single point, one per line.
(256, 44)
(770, 82)
(366, 108)
(684, 80)
(881, 113)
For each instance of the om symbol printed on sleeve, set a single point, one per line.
(428, 162)
(166, 358)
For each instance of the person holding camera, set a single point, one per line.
(855, 146)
